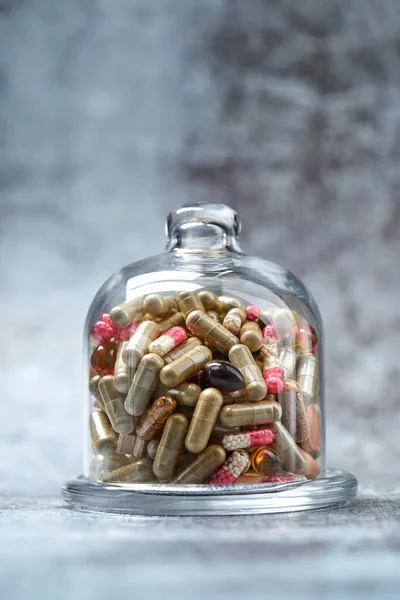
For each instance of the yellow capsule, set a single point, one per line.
(307, 377)
(227, 303)
(251, 336)
(241, 358)
(140, 471)
(189, 301)
(143, 385)
(234, 320)
(185, 394)
(204, 418)
(152, 447)
(125, 313)
(172, 321)
(138, 344)
(170, 447)
(180, 350)
(94, 389)
(121, 371)
(209, 300)
(203, 466)
(288, 360)
(292, 459)
(104, 439)
(210, 331)
(250, 413)
(185, 366)
(159, 306)
(294, 416)
(121, 421)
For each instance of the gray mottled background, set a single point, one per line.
(112, 113)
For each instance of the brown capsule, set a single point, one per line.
(203, 420)
(138, 344)
(241, 357)
(139, 471)
(251, 336)
(185, 394)
(234, 320)
(180, 350)
(294, 416)
(250, 413)
(143, 385)
(288, 359)
(292, 458)
(311, 444)
(159, 306)
(266, 461)
(209, 300)
(223, 375)
(104, 439)
(203, 466)
(121, 371)
(227, 303)
(152, 447)
(126, 443)
(123, 314)
(155, 417)
(312, 468)
(185, 366)
(94, 389)
(189, 301)
(170, 447)
(213, 333)
(174, 320)
(121, 421)
(307, 377)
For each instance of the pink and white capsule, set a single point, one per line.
(274, 379)
(252, 312)
(168, 340)
(269, 331)
(248, 439)
(232, 468)
(284, 477)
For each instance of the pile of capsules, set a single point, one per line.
(196, 388)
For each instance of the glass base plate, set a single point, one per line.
(155, 499)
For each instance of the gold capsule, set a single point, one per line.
(209, 300)
(170, 447)
(241, 357)
(152, 447)
(143, 385)
(159, 306)
(185, 366)
(121, 421)
(203, 466)
(210, 331)
(104, 439)
(214, 315)
(94, 389)
(203, 420)
(307, 377)
(121, 371)
(123, 314)
(292, 458)
(294, 416)
(189, 301)
(288, 359)
(154, 418)
(180, 350)
(234, 320)
(138, 344)
(250, 413)
(227, 303)
(251, 336)
(174, 320)
(185, 394)
(140, 471)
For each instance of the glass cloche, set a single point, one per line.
(204, 383)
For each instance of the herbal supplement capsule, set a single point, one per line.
(234, 320)
(209, 300)
(248, 439)
(155, 417)
(103, 358)
(185, 394)
(227, 303)
(203, 420)
(121, 371)
(125, 443)
(294, 416)
(288, 359)
(307, 377)
(251, 336)
(312, 468)
(187, 411)
(266, 461)
(213, 315)
(252, 312)
(292, 458)
(185, 366)
(241, 358)
(223, 375)
(210, 331)
(121, 421)
(139, 471)
(123, 314)
(189, 301)
(105, 464)
(250, 413)
(180, 350)
(170, 447)
(169, 340)
(143, 385)
(159, 306)
(138, 345)
(94, 389)
(232, 468)
(104, 439)
(152, 447)
(175, 320)
(139, 448)
(203, 466)
(273, 375)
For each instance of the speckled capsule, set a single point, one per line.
(185, 366)
(292, 458)
(251, 336)
(169, 340)
(213, 333)
(188, 302)
(121, 421)
(123, 314)
(228, 302)
(138, 345)
(307, 377)
(223, 375)
(248, 439)
(241, 357)
(170, 447)
(234, 320)
(209, 300)
(311, 444)
(104, 439)
(155, 417)
(143, 385)
(294, 416)
(175, 320)
(288, 359)
(203, 466)
(180, 350)
(250, 413)
(203, 420)
(232, 468)
(121, 371)
(159, 306)
(139, 471)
